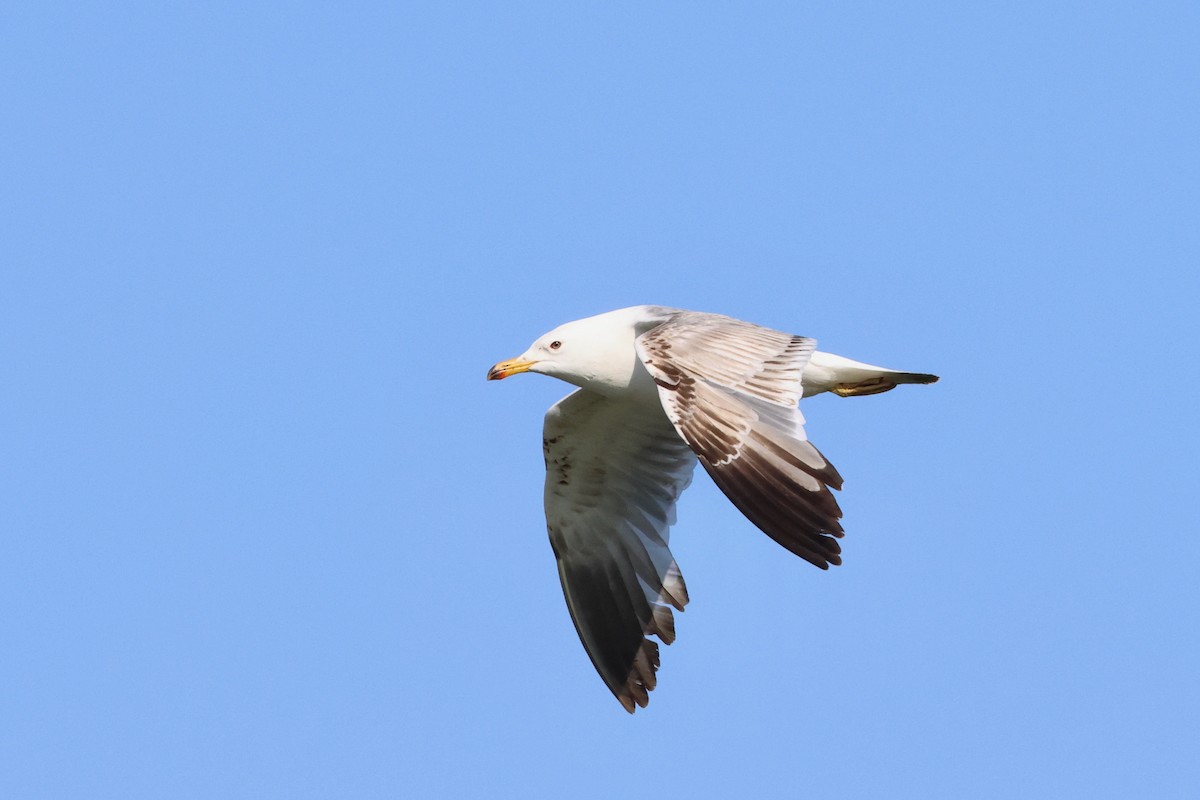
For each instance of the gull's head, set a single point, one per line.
(597, 351)
(561, 353)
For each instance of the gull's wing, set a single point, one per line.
(731, 390)
(613, 472)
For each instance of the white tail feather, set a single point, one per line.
(826, 372)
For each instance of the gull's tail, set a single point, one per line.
(826, 372)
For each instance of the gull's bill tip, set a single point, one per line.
(511, 367)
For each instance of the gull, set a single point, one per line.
(660, 389)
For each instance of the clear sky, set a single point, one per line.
(265, 531)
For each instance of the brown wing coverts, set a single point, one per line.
(731, 390)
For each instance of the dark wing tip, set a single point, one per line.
(818, 560)
(641, 679)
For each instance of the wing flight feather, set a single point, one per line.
(731, 390)
(613, 473)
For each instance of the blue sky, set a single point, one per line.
(265, 531)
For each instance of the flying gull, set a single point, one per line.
(661, 388)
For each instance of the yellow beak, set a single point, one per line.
(510, 367)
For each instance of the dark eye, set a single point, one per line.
(555, 344)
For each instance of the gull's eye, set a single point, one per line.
(555, 344)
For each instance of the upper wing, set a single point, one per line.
(731, 390)
(613, 472)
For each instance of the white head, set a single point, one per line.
(596, 352)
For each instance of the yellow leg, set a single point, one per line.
(873, 386)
